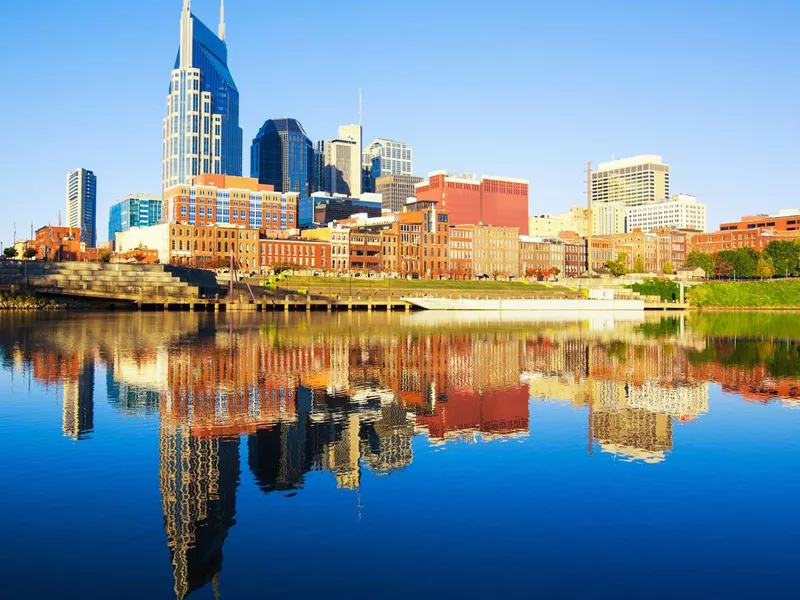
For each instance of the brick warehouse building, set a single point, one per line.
(498, 201)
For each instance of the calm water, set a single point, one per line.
(357, 456)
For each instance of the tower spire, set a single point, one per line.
(222, 20)
(186, 35)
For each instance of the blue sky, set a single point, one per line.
(523, 89)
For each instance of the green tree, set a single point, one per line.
(741, 263)
(764, 268)
(785, 257)
(618, 267)
(29, 253)
(638, 265)
(10, 252)
(667, 269)
(105, 257)
(701, 259)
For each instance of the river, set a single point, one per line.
(360, 455)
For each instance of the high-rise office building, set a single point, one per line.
(339, 169)
(134, 210)
(282, 155)
(388, 157)
(620, 184)
(396, 189)
(201, 132)
(82, 204)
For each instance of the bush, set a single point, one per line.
(751, 294)
(663, 288)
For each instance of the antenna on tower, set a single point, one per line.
(222, 20)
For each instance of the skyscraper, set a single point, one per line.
(388, 157)
(82, 204)
(396, 189)
(282, 155)
(201, 132)
(340, 162)
(620, 184)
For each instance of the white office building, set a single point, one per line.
(682, 211)
(388, 157)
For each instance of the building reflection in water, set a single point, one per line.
(347, 395)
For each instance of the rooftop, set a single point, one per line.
(633, 161)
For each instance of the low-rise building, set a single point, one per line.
(365, 251)
(58, 244)
(495, 251)
(330, 208)
(298, 253)
(461, 252)
(200, 246)
(553, 225)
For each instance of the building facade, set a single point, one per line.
(682, 211)
(82, 204)
(339, 163)
(495, 251)
(227, 200)
(203, 246)
(201, 133)
(785, 220)
(552, 225)
(282, 156)
(134, 210)
(387, 157)
(328, 209)
(496, 201)
(625, 183)
(302, 254)
(395, 190)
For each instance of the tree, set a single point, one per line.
(105, 257)
(742, 262)
(667, 269)
(764, 268)
(701, 259)
(785, 257)
(29, 253)
(10, 252)
(638, 265)
(618, 267)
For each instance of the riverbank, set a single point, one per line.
(13, 301)
(365, 287)
(777, 294)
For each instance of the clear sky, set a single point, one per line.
(522, 89)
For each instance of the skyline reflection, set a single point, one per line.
(347, 394)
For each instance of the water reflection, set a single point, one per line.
(347, 394)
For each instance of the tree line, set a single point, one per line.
(780, 258)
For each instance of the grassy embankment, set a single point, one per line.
(750, 294)
(395, 288)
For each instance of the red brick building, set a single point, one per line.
(58, 243)
(300, 253)
(498, 201)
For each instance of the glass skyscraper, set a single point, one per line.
(135, 210)
(82, 204)
(201, 132)
(282, 155)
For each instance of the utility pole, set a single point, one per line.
(589, 216)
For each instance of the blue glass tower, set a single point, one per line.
(201, 130)
(282, 155)
(135, 210)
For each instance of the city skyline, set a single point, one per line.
(688, 133)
